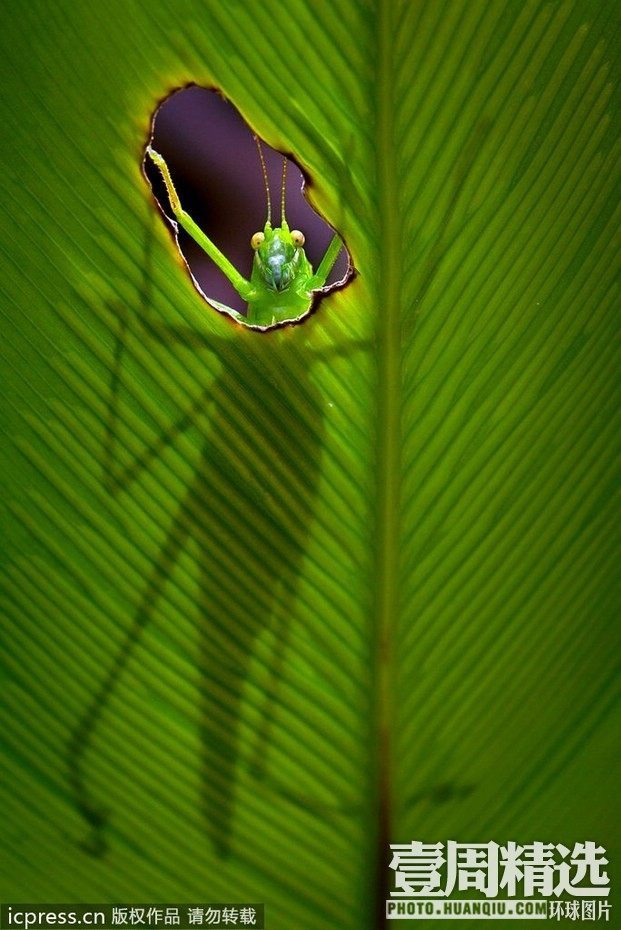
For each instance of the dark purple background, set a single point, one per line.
(215, 165)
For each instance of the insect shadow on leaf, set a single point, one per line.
(247, 584)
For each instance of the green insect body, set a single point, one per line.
(282, 282)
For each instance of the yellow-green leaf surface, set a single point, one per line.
(368, 564)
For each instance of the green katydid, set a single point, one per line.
(282, 282)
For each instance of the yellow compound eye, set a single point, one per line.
(256, 240)
(298, 237)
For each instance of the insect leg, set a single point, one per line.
(326, 264)
(243, 287)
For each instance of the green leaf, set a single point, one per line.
(362, 570)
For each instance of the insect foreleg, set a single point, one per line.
(326, 264)
(243, 287)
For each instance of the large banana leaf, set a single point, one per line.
(367, 563)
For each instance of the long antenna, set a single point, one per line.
(265, 180)
(283, 218)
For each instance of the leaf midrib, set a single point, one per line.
(388, 462)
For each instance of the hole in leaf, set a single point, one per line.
(215, 166)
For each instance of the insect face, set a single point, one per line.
(277, 255)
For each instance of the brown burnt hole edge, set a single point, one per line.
(308, 184)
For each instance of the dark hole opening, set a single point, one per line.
(214, 163)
